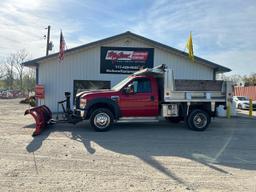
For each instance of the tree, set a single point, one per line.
(9, 66)
(250, 80)
(2, 71)
(29, 80)
(13, 64)
(20, 57)
(235, 79)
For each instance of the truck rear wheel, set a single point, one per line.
(101, 119)
(198, 120)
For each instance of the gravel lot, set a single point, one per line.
(131, 157)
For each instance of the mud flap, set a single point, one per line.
(42, 115)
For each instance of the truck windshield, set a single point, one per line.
(120, 85)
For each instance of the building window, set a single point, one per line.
(86, 85)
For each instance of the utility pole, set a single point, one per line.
(48, 40)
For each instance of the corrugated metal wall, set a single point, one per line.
(250, 92)
(85, 65)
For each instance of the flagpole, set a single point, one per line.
(48, 39)
(59, 60)
(61, 47)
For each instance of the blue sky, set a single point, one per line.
(223, 31)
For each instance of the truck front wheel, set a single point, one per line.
(198, 120)
(101, 119)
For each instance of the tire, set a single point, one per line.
(198, 120)
(239, 106)
(174, 119)
(101, 119)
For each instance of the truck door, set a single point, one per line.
(142, 101)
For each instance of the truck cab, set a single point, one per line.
(138, 97)
(135, 96)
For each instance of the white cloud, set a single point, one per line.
(223, 31)
(22, 25)
(242, 62)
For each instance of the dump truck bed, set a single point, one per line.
(198, 85)
(187, 90)
(197, 91)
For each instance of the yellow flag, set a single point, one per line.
(189, 46)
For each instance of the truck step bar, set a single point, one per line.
(138, 119)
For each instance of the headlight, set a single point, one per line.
(82, 103)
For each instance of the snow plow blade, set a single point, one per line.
(42, 115)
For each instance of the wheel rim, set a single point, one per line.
(101, 120)
(200, 120)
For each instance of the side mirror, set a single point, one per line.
(125, 90)
(129, 89)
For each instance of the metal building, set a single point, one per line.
(103, 63)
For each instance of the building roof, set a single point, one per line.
(216, 67)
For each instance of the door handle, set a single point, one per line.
(152, 98)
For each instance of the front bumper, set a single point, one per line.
(80, 112)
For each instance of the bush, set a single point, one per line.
(29, 100)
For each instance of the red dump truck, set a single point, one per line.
(146, 94)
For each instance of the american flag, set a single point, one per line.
(62, 47)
